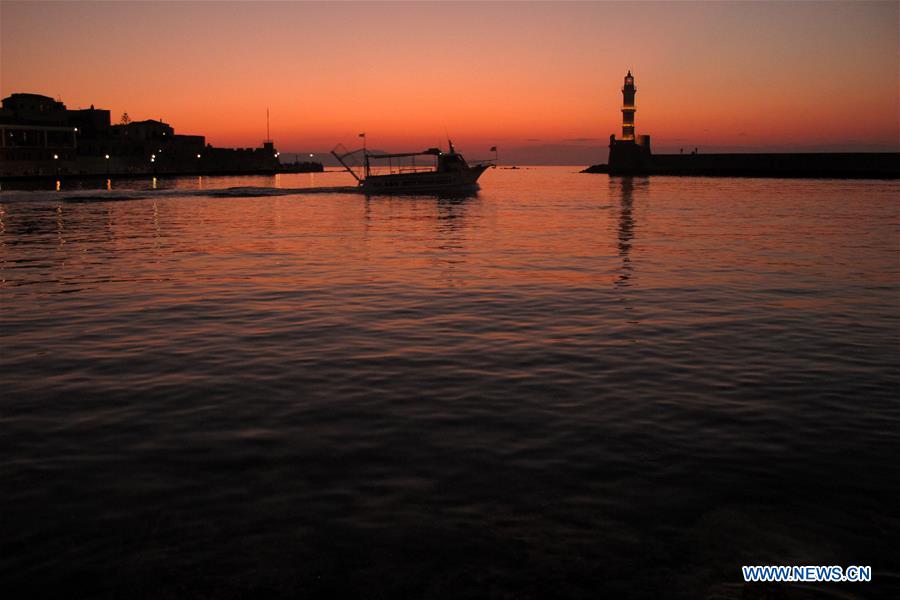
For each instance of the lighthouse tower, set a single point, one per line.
(631, 154)
(628, 109)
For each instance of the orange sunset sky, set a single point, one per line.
(541, 80)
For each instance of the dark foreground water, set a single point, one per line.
(569, 386)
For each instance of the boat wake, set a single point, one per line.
(87, 196)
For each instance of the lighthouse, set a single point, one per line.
(628, 109)
(630, 154)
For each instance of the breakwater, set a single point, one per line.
(845, 165)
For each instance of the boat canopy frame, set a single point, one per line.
(429, 152)
(369, 156)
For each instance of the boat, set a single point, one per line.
(398, 173)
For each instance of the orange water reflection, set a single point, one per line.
(544, 229)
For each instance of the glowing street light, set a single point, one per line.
(56, 157)
(198, 156)
(106, 157)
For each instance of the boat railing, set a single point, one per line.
(400, 170)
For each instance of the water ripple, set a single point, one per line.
(565, 386)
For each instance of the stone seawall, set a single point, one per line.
(779, 165)
(884, 165)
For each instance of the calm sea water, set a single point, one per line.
(567, 386)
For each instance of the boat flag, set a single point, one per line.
(493, 149)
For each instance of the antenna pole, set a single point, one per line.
(365, 156)
(268, 137)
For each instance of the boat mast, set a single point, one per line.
(365, 155)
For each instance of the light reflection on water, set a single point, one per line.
(565, 386)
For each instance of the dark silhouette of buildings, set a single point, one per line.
(35, 129)
(41, 137)
(632, 155)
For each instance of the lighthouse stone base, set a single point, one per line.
(629, 157)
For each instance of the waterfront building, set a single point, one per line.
(33, 129)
